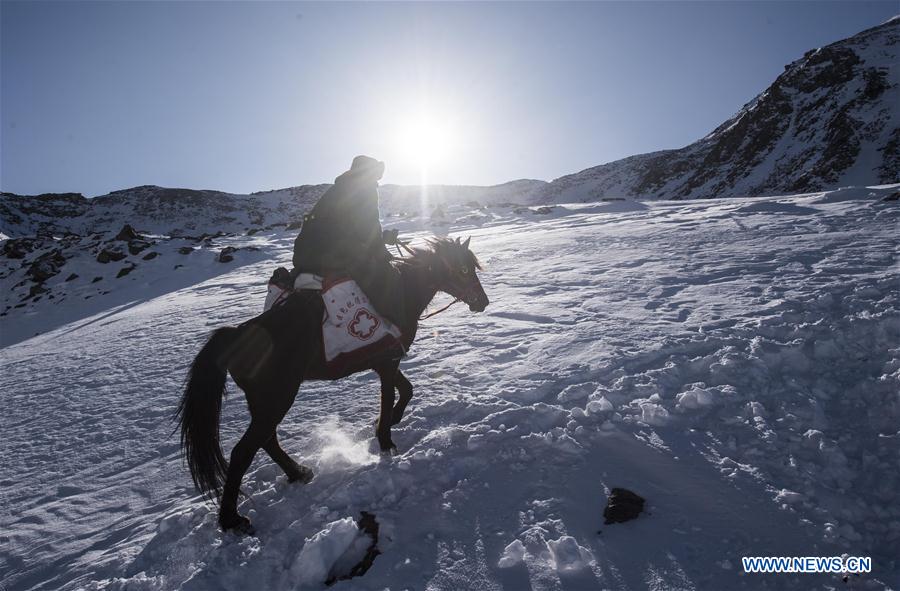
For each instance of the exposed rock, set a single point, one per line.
(185, 250)
(96, 279)
(207, 237)
(17, 248)
(35, 290)
(72, 277)
(150, 256)
(127, 234)
(42, 215)
(369, 526)
(107, 255)
(226, 255)
(623, 505)
(137, 245)
(46, 266)
(125, 271)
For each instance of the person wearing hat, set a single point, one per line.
(342, 234)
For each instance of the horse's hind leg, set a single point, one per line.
(266, 413)
(295, 472)
(241, 458)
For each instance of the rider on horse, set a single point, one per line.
(342, 235)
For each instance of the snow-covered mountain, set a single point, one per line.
(733, 361)
(831, 119)
(158, 210)
(188, 212)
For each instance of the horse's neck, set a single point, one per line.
(420, 291)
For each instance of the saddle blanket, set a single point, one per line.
(353, 332)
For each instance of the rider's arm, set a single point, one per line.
(368, 227)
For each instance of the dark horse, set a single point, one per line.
(271, 355)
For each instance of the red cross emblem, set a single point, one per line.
(363, 324)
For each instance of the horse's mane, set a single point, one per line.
(439, 249)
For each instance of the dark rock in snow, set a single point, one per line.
(137, 246)
(125, 271)
(623, 505)
(17, 248)
(150, 256)
(368, 526)
(35, 290)
(72, 277)
(226, 255)
(110, 255)
(46, 266)
(127, 234)
(185, 250)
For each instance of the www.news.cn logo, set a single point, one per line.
(807, 564)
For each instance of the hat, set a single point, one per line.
(367, 164)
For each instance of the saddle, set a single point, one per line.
(353, 333)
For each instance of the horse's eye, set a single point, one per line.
(464, 270)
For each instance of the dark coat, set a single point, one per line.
(342, 231)
(342, 235)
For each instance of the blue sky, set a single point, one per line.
(247, 96)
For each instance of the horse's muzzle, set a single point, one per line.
(479, 303)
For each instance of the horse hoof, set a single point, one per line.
(391, 451)
(238, 525)
(303, 475)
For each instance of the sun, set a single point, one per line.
(425, 140)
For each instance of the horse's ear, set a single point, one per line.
(466, 243)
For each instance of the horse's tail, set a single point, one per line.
(199, 410)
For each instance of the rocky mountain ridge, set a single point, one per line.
(831, 119)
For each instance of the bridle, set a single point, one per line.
(405, 246)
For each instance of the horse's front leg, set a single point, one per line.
(404, 387)
(388, 377)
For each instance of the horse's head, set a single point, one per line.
(456, 272)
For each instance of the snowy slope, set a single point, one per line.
(831, 119)
(736, 362)
(51, 280)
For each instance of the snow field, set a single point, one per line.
(734, 362)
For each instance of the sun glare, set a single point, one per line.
(425, 140)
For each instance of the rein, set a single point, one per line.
(405, 246)
(427, 316)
